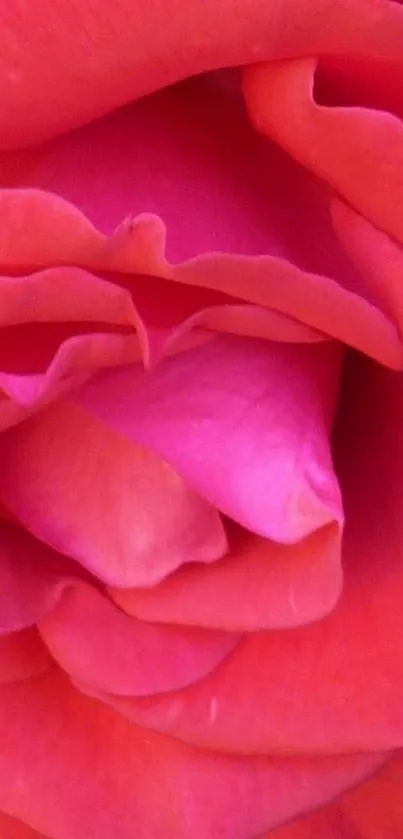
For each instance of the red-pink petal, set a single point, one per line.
(306, 689)
(118, 509)
(98, 644)
(13, 829)
(340, 144)
(259, 585)
(245, 422)
(103, 55)
(22, 656)
(89, 772)
(374, 810)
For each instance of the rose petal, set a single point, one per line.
(91, 773)
(259, 585)
(340, 144)
(97, 643)
(322, 669)
(245, 422)
(32, 577)
(372, 811)
(194, 146)
(378, 257)
(12, 829)
(22, 656)
(103, 56)
(116, 508)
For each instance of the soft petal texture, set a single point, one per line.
(22, 655)
(97, 643)
(340, 144)
(164, 172)
(103, 56)
(245, 422)
(259, 585)
(116, 508)
(13, 829)
(374, 810)
(91, 774)
(312, 693)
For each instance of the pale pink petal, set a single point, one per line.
(71, 768)
(115, 507)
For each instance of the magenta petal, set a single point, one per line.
(116, 508)
(98, 644)
(245, 422)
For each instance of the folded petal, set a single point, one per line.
(322, 669)
(159, 179)
(98, 644)
(246, 424)
(116, 508)
(153, 46)
(260, 584)
(339, 143)
(89, 772)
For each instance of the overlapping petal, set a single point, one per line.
(306, 689)
(116, 508)
(245, 422)
(103, 56)
(89, 772)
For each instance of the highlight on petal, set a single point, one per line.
(245, 423)
(98, 644)
(258, 585)
(341, 144)
(108, 503)
(90, 772)
(309, 691)
(152, 47)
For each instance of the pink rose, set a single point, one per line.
(201, 577)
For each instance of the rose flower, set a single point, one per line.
(201, 412)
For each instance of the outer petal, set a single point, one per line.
(323, 669)
(116, 508)
(259, 585)
(374, 810)
(245, 422)
(104, 55)
(13, 829)
(90, 773)
(340, 144)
